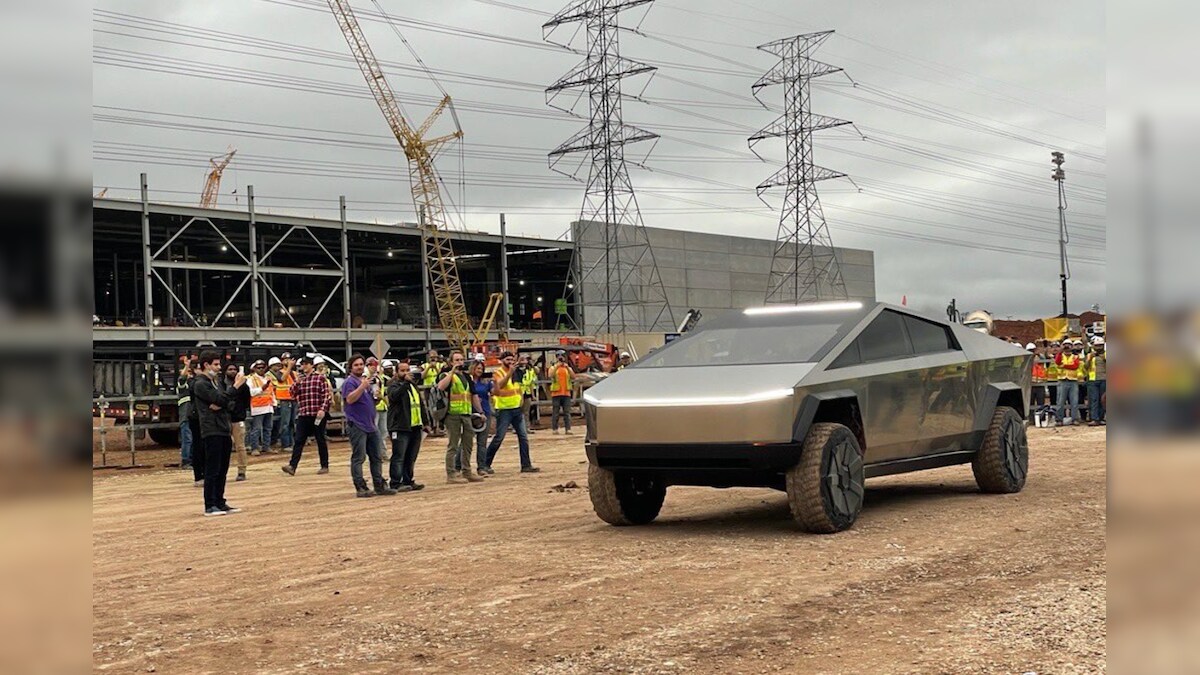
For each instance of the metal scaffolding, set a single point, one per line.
(170, 310)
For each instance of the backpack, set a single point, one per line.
(439, 403)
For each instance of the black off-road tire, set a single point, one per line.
(825, 489)
(1002, 463)
(168, 437)
(625, 498)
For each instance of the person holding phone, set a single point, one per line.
(313, 398)
(407, 417)
(365, 441)
(214, 398)
(463, 402)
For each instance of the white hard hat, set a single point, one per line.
(478, 422)
(1097, 340)
(1030, 347)
(624, 354)
(273, 360)
(479, 357)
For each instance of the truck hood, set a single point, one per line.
(697, 385)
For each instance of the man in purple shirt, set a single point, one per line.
(359, 407)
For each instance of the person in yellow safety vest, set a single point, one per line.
(526, 375)
(506, 401)
(429, 376)
(386, 371)
(458, 420)
(1096, 371)
(1053, 374)
(262, 409)
(1069, 365)
(283, 424)
(562, 385)
(432, 367)
(407, 418)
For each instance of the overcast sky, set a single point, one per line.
(961, 104)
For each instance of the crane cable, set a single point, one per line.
(420, 62)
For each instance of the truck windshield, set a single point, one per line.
(746, 345)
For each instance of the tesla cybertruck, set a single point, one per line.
(811, 399)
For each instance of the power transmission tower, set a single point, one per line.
(1064, 267)
(620, 288)
(803, 266)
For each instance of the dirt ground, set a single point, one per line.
(514, 576)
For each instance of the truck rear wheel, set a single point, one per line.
(1002, 462)
(165, 436)
(625, 498)
(825, 489)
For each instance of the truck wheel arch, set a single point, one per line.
(999, 395)
(839, 406)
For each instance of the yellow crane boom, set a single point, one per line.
(212, 182)
(423, 179)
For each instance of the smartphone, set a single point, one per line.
(242, 370)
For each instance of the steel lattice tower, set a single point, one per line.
(803, 266)
(621, 289)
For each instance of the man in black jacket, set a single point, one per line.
(407, 417)
(237, 417)
(215, 399)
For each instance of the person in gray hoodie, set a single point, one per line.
(215, 398)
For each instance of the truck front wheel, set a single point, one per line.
(625, 498)
(825, 488)
(1002, 464)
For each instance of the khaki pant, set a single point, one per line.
(239, 444)
(458, 428)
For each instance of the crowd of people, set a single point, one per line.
(389, 407)
(1070, 379)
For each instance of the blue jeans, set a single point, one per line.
(365, 446)
(1067, 401)
(258, 432)
(1096, 389)
(504, 419)
(283, 424)
(185, 443)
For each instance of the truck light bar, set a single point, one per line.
(808, 307)
(756, 397)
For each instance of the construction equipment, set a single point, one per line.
(208, 198)
(980, 320)
(689, 320)
(489, 317)
(589, 354)
(423, 177)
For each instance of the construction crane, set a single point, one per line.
(208, 198)
(427, 196)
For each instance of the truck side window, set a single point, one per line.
(884, 338)
(927, 337)
(849, 357)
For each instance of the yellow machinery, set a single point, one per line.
(489, 317)
(427, 196)
(208, 198)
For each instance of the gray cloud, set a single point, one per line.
(1038, 67)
